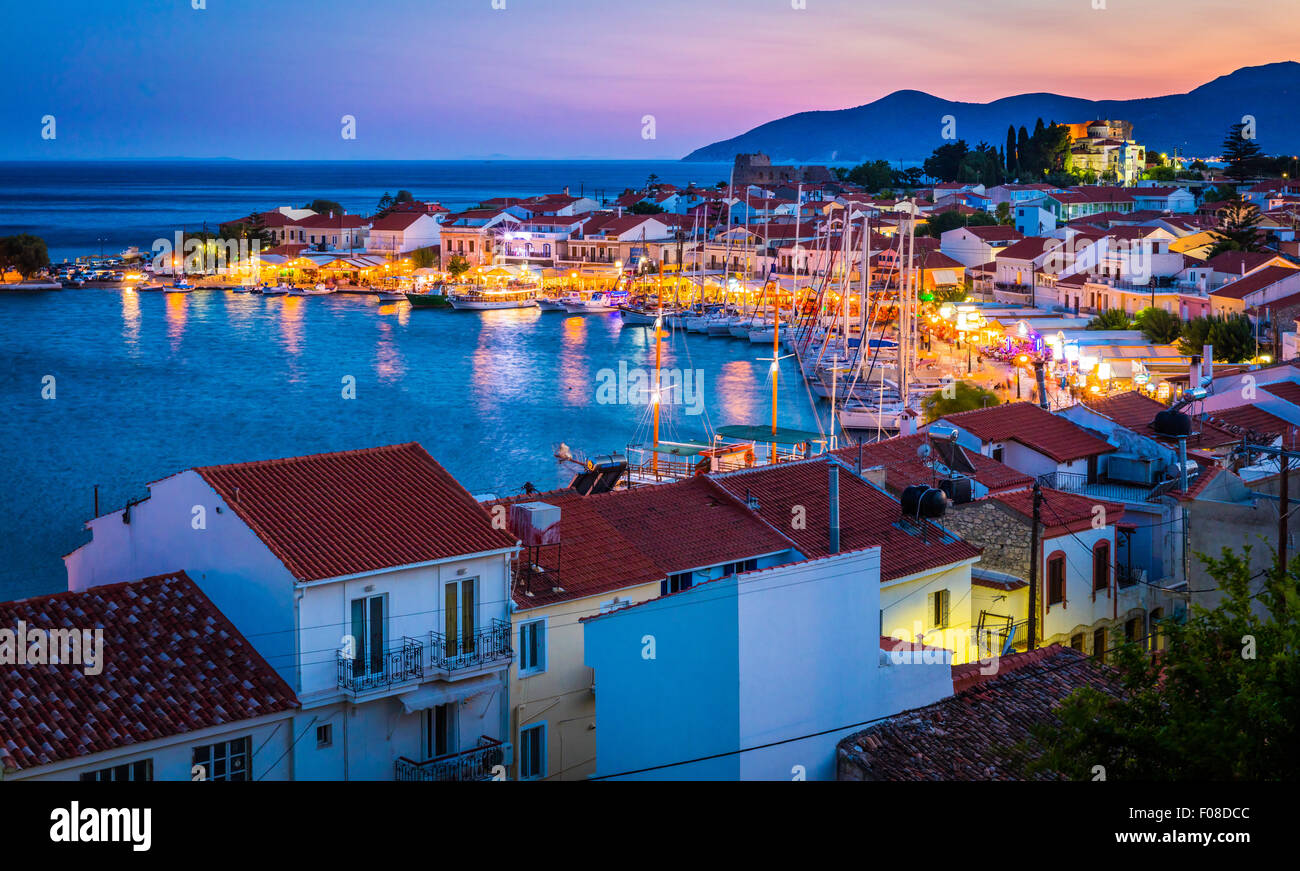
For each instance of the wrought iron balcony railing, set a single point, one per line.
(367, 670)
(476, 764)
(470, 650)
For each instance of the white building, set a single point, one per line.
(370, 580)
(400, 232)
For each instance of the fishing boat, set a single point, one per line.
(317, 290)
(428, 299)
(489, 298)
(274, 290)
(638, 317)
(180, 285)
(598, 302)
(387, 295)
(551, 304)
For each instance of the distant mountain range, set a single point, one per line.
(906, 126)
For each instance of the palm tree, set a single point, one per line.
(1110, 319)
(1159, 326)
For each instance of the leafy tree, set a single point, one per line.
(1233, 337)
(651, 181)
(1199, 165)
(424, 258)
(641, 207)
(1160, 173)
(457, 265)
(1238, 229)
(404, 196)
(945, 162)
(1242, 155)
(981, 166)
(1003, 214)
(324, 207)
(385, 202)
(872, 176)
(1110, 319)
(24, 253)
(961, 396)
(1159, 326)
(1218, 703)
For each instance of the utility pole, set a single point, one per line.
(1284, 509)
(1033, 569)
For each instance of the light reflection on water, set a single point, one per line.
(150, 384)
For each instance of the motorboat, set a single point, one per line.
(598, 302)
(489, 299)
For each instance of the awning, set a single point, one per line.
(945, 276)
(782, 436)
(432, 695)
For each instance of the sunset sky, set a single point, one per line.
(567, 78)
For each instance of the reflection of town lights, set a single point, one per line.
(1023, 359)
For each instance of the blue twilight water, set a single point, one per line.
(147, 384)
(74, 205)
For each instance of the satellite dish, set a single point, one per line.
(923, 450)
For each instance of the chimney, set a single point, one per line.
(1194, 380)
(907, 422)
(1042, 386)
(1207, 362)
(834, 470)
(566, 190)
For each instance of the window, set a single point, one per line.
(1076, 642)
(532, 647)
(676, 583)
(938, 608)
(1101, 566)
(1132, 629)
(1056, 579)
(225, 760)
(1099, 644)
(532, 752)
(368, 633)
(142, 770)
(736, 568)
(459, 611)
(997, 453)
(324, 735)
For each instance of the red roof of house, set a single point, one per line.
(1060, 512)
(1255, 281)
(332, 222)
(1135, 410)
(903, 467)
(1239, 262)
(172, 664)
(982, 732)
(328, 515)
(1246, 419)
(396, 220)
(1031, 426)
(1093, 195)
(689, 524)
(996, 233)
(868, 517)
(1028, 248)
(593, 555)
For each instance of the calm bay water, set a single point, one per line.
(149, 384)
(73, 205)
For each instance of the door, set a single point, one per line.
(368, 631)
(438, 728)
(458, 614)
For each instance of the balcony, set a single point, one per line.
(1074, 482)
(398, 664)
(474, 652)
(468, 765)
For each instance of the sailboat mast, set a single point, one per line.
(654, 454)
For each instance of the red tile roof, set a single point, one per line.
(903, 467)
(1239, 262)
(328, 515)
(1135, 410)
(1028, 248)
(1247, 419)
(593, 556)
(688, 524)
(1032, 427)
(982, 732)
(172, 664)
(1256, 281)
(397, 220)
(1060, 512)
(868, 517)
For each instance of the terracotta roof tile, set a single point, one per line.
(868, 517)
(1135, 410)
(172, 664)
(977, 733)
(1033, 427)
(904, 468)
(328, 515)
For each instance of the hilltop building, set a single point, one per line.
(758, 169)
